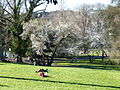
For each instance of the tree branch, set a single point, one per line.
(18, 4)
(9, 4)
(37, 4)
(26, 6)
(8, 12)
(6, 19)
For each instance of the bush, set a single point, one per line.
(115, 57)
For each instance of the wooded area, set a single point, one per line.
(46, 35)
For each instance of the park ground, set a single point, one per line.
(62, 76)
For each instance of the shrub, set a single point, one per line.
(115, 57)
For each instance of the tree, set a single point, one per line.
(83, 20)
(3, 33)
(112, 19)
(98, 29)
(53, 34)
(111, 15)
(19, 11)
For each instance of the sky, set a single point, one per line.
(72, 4)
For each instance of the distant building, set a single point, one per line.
(40, 14)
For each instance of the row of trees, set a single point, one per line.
(60, 32)
(90, 27)
(66, 32)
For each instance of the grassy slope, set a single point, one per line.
(23, 77)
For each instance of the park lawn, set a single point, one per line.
(82, 77)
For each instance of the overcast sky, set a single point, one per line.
(71, 4)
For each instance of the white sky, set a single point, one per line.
(71, 4)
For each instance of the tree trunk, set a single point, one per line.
(53, 55)
(1, 51)
(102, 55)
(1, 55)
(19, 59)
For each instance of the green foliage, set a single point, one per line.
(19, 11)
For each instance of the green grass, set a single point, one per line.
(65, 77)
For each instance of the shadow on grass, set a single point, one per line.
(81, 65)
(60, 82)
(4, 85)
(93, 66)
(1, 64)
(22, 63)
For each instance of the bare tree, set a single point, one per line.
(83, 21)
